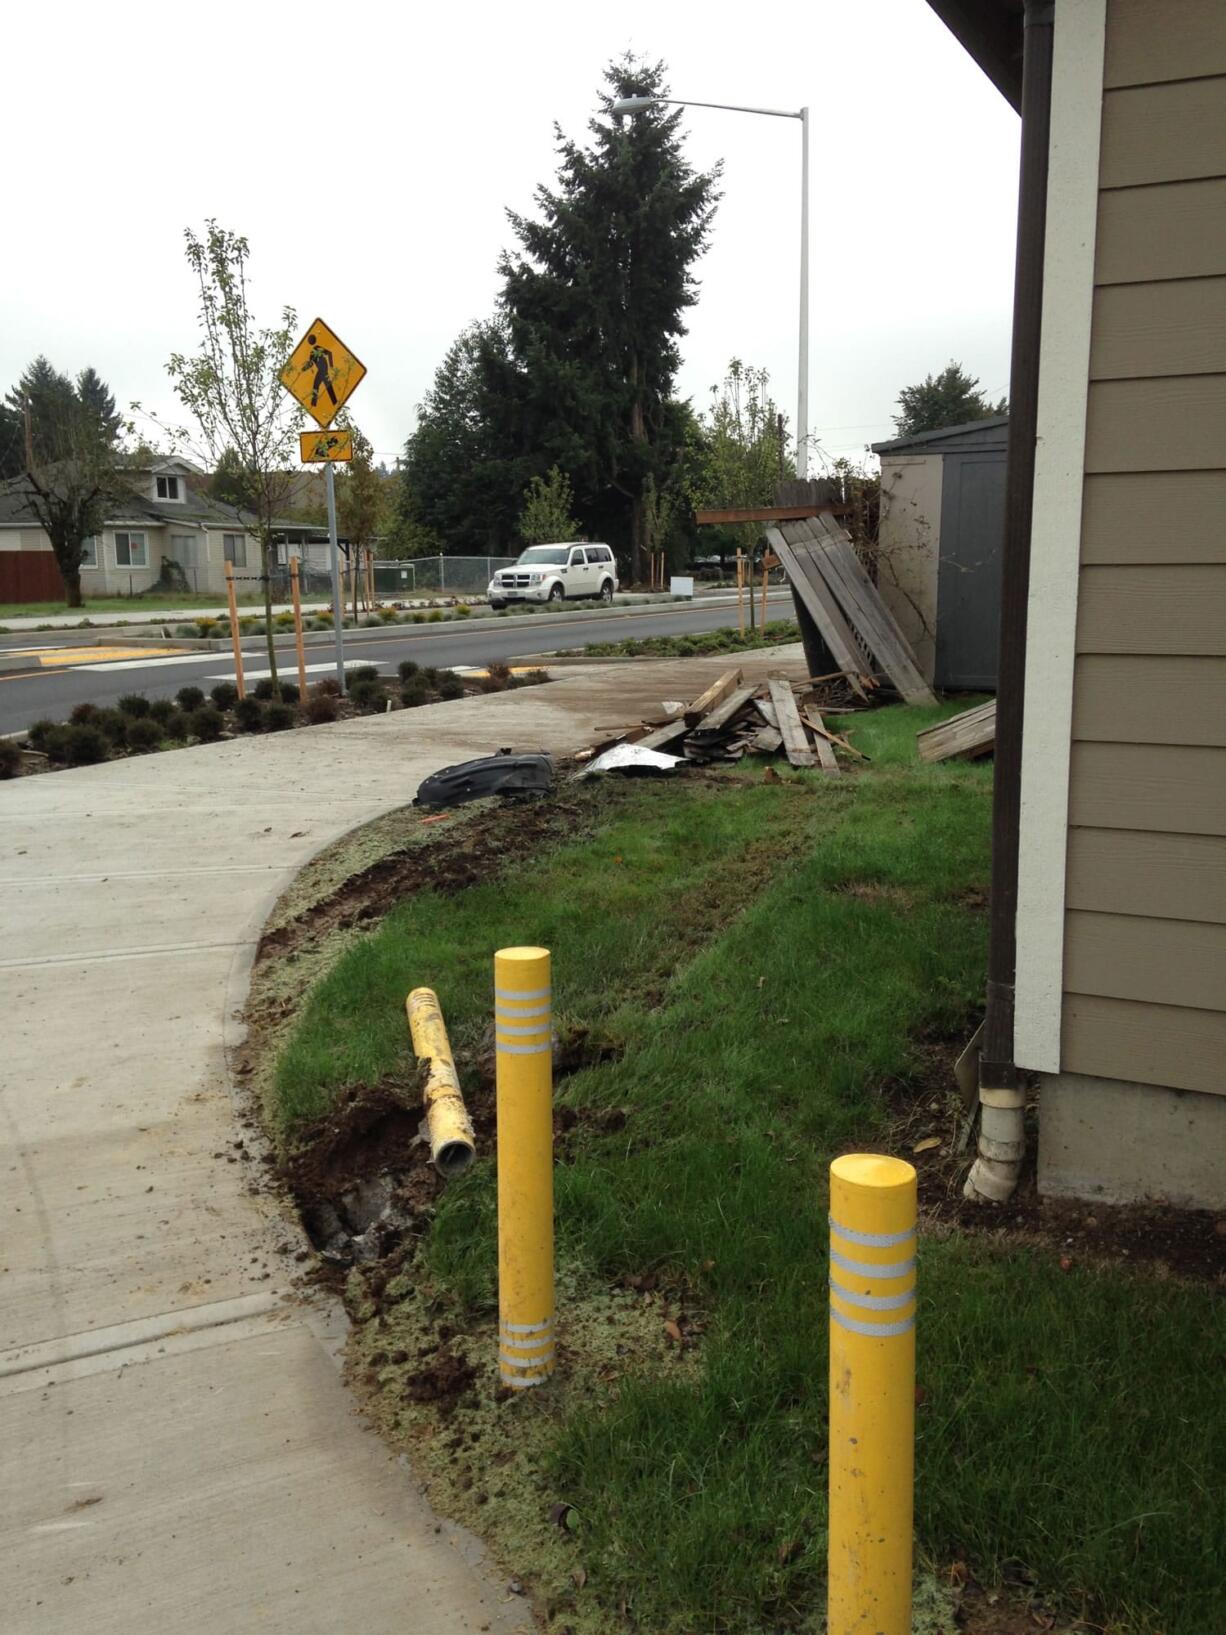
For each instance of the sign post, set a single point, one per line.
(322, 374)
(338, 608)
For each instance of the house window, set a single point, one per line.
(234, 549)
(168, 488)
(89, 552)
(131, 551)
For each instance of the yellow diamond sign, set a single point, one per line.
(322, 373)
(325, 445)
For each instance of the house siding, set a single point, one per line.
(1145, 901)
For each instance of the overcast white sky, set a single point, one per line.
(368, 153)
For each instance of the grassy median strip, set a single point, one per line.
(762, 960)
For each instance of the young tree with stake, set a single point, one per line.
(232, 388)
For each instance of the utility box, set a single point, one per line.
(939, 547)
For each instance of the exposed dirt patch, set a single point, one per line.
(931, 1127)
(450, 863)
(876, 891)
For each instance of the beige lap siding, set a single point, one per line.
(1145, 907)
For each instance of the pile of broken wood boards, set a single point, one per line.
(832, 587)
(962, 737)
(734, 718)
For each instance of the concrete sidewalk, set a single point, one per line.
(180, 1453)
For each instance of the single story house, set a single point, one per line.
(938, 546)
(1107, 957)
(167, 519)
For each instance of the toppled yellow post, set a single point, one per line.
(452, 1148)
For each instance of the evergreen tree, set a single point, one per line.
(595, 298)
(98, 400)
(231, 482)
(948, 399)
(460, 478)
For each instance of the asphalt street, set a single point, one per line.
(52, 692)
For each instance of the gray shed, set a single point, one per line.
(942, 522)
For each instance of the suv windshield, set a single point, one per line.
(547, 555)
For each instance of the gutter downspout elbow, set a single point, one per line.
(1002, 1086)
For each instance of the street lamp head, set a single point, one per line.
(633, 105)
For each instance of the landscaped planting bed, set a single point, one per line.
(141, 726)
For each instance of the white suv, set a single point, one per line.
(554, 573)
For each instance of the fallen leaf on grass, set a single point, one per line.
(579, 1574)
(787, 1551)
(673, 1332)
(927, 1144)
(438, 819)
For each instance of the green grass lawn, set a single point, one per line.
(764, 958)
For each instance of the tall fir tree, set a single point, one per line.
(594, 300)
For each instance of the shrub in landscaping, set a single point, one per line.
(321, 707)
(266, 690)
(328, 687)
(388, 615)
(207, 723)
(87, 744)
(176, 727)
(38, 732)
(414, 692)
(451, 687)
(530, 678)
(134, 704)
(432, 677)
(418, 618)
(82, 713)
(361, 672)
(463, 611)
(144, 734)
(10, 758)
(498, 677)
(407, 669)
(224, 695)
(189, 698)
(56, 743)
(162, 709)
(249, 715)
(187, 630)
(278, 716)
(367, 696)
(113, 724)
(436, 616)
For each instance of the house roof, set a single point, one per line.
(991, 30)
(17, 512)
(988, 432)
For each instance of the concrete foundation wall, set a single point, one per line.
(1117, 1142)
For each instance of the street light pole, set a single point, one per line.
(632, 105)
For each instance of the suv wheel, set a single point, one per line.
(606, 592)
(556, 592)
(495, 606)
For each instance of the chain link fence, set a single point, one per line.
(449, 575)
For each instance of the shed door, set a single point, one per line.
(968, 579)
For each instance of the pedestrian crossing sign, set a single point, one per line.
(325, 445)
(322, 373)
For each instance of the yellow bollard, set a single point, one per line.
(452, 1147)
(523, 1037)
(872, 1395)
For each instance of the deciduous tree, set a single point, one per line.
(62, 445)
(545, 518)
(231, 388)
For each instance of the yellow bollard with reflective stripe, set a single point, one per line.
(872, 1395)
(523, 1039)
